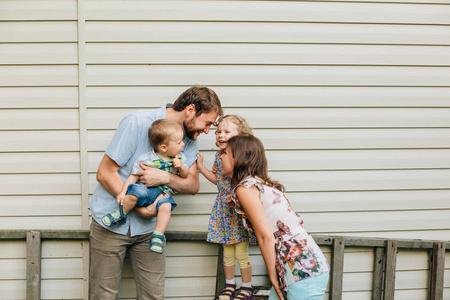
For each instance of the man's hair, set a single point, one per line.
(203, 98)
(161, 131)
(250, 160)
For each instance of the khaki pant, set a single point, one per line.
(107, 251)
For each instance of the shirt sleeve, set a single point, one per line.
(124, 142)
(190, 150)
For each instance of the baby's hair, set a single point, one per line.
(243, 127)
(161, 131)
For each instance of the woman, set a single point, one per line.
(295, 264)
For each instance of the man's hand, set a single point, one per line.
(152, 176)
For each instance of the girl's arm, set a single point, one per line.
(210, 175)
(250, 201)
(130, 180)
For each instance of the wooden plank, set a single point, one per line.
(247, 54)
(437, 271)
(237, 75)
(377, 283)
(249, 32)
(240, 97)
(337, 269)
(220, 276)
(294, 118)
(389, 277)
(308, 139)
(38, 32)
(268, 11)
(33, 265)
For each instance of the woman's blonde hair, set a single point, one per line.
(250, 160)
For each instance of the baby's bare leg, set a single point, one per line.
(129, 202)
(162, 221)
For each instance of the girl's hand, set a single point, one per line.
(214, 169)
(229, 201)
(120, 197)
(176, 162)
(199, 159)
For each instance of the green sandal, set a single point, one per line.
(116, 218)
(157, 243)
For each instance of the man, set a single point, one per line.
(196, 110)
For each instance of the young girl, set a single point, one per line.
(225, 225)
(295, 264)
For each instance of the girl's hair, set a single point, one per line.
(242, 125)
(161, 131)
(250, 160)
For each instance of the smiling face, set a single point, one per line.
(175, 144)
(195, 125)
(228, 162)
(225, 131)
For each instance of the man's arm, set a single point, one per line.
(108, 175)
(154, 177)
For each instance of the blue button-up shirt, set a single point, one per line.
(128, 143)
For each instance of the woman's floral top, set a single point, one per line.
(297, 254)
(225, 225)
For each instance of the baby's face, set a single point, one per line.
(225, 131)
(175, 144)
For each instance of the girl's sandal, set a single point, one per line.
(245, 293)
(228, 292)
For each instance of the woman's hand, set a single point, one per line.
(278, 291)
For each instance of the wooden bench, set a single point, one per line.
(385, 258)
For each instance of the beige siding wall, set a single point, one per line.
(351, 100)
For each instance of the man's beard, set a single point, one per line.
(190, 133)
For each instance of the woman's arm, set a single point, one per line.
(251, 203)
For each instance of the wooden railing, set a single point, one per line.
(385, 258)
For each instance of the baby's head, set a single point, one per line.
(166, 137)
(229, 126)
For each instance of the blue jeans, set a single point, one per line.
(147, 196)
(307, 289)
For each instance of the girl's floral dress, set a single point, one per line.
(297, 254)
(225, 225)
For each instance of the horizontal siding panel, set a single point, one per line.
(356, 282)
(36, 119)
(41, 223)
(348, 222)
(38, 75)
(190, 249)
(441, 235)
(38, 32)
(13, 289)
(39, 97)
(414, 294)
(248, 32)
(309, 139)
(148, 97)
(38, 10)
(13, 249)
(61, 249)
(57, 268)
(293, 117)
(268, 11)
(53, 162)
(364, 180)
(62, 289)
(38, 54)
(48, 205)
(106, 53)
(19, 141)
(32, 184)
(13, 269)
(251, 75)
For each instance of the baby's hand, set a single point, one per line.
(120, 197)
(176, 162)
